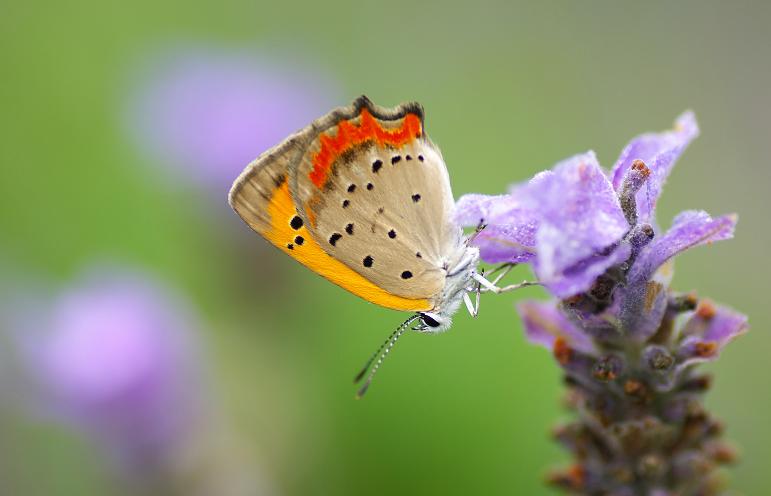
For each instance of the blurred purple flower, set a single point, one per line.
(115, 355)
(626, 343)
(207, 113)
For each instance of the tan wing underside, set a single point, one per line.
(399, 225)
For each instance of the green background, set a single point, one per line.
(509, 89)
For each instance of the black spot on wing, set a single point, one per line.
(416, 197)
(367, 262)
(333, 239)
(349, 228)
(406, 274)
(376, 165)
(296, 222)
(396, 159)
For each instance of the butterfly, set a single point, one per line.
(362, 197)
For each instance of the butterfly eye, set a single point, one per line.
(429, 321)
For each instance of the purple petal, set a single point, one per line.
(659, 151)
(711, 323)
(690, 228)
(510, 232)
(580, 216)
(505, 243)
(545, 323)
(582, 275)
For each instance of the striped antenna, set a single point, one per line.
(380, 354)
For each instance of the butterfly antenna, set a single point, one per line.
(480, 227)
(380, 354)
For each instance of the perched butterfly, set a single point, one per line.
(362, 197)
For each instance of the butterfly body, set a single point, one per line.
(362, 197)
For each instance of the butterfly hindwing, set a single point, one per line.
(375, 194)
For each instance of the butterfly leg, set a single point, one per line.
(504, 269)
(480, 227)
(473, 310)
(477, 292)
(491, 287)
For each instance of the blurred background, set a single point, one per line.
(151, 344)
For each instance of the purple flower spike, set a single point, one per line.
(614, 325)
(659, 151)
(206, 113)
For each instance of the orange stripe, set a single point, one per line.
(350, 135)
(281, 210)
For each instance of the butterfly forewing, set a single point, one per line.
(375, 194)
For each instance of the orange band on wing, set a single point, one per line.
(281, 210)
(350, 135)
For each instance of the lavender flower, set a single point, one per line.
(115, 356)
(626, 342)
(206, 113)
